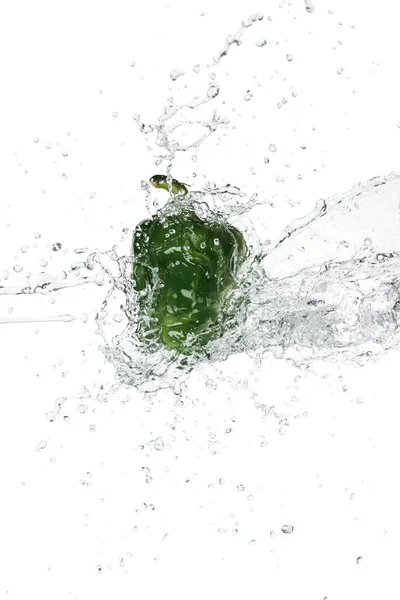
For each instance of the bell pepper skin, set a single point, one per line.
(184, 268)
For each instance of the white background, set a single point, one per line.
(80, 503)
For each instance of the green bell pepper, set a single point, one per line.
(183, 270)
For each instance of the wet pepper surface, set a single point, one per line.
(185, 267)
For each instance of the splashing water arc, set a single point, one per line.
(328, 287)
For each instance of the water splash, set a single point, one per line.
(328, 287)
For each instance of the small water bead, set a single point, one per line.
(359, 560)
(240, 488)
(41, 445)
(272, 148)
(287, 529)
(289, 57)
(24, 249)
(213, 90)
(303, 147)
(196, 68)
(43, 263)
(248, 96)
(309, 6)
(115, 114)
(36, 139)
(175, 73)
(133, 63)
(48, 146)
(340, 70)
(261, 42)
(65, 153)
(56, 247)
(18, 268)
(266, 159)
(216, 241)
(159, 444)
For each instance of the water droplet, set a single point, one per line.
(340, 70)
(175, 73)
(309, 6)
(260, 16)
(56, 247)
(196, 68)
(272, 148)
(287, 529)
(115, 114)
(359, 560)
(289, 57)
(43, 263)
(159, 444)
(65, 153)
(240, 488)
(36, 139)
(48, 146)
(24, 249)
(248, 96)
(303, 147)
(18, 268)
(37, 236)
(41, 445)
(213, 90)
(216, 241)
(266, 159)
(261, 42)
(133, 63)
